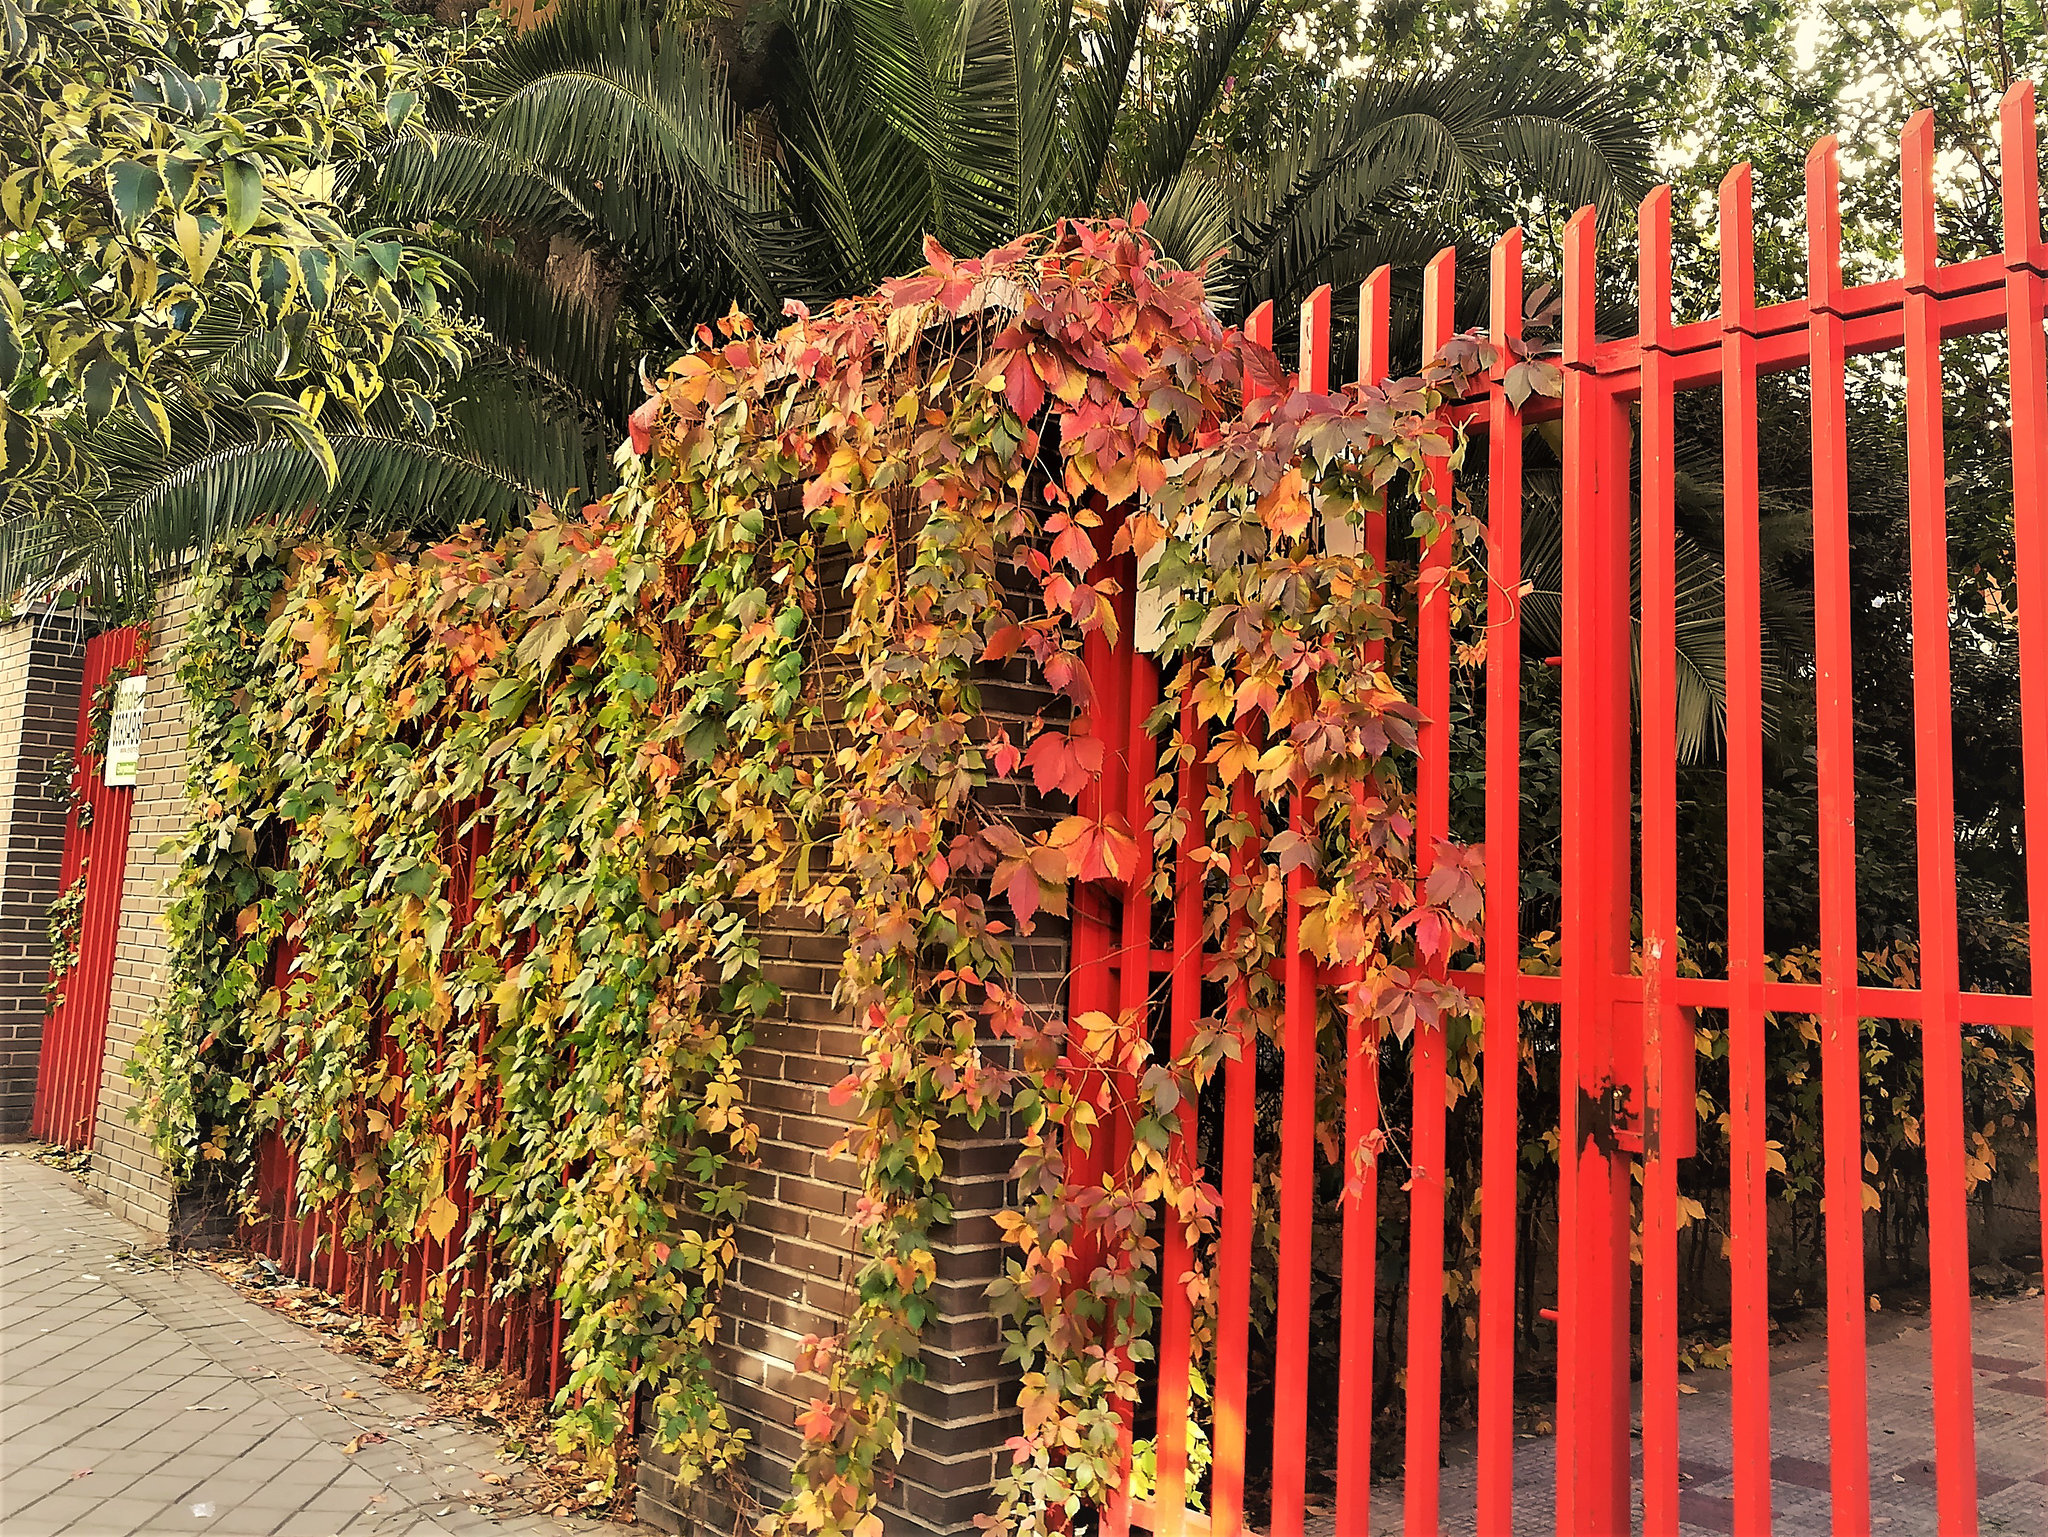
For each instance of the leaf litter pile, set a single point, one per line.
(538, 1479)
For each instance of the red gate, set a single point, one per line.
(95, 860)
(1626, 1040)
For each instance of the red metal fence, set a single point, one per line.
(519, 1334)
(1626, 1032)
(95, 853)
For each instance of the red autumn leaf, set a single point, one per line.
(1004, 754)
(1022, 887)
(1071, 543)
(818, 1423)
(1065, 763)
(640, 425)
(1286, 508)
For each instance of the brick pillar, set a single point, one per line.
(125, 1169)
(42, 662)
(798, 1250)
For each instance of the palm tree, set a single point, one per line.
(616, 187)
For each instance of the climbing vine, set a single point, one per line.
(487, 832)
(65, 927)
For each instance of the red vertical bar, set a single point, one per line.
(491, 1326)
(2026, 301)
(1240, 1111)
(1660, 869)
(1948, 1235)
(1184, 1004)
(557, 1373)
(1359, 1312)
(1432, 823)
(1297, 1200)
(1500, 1130)
(1835, 756)
(518, 1332)
(1141, 693)
(1090, 991)
(1375, 326)
(1594, 1205)
(1750, 1337)
(302, 1223)
(331, 1282)
(1298, 1097)
(1313, 377)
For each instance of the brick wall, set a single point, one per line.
(41, 667)
(124, 1169)
(798, 1251)
(797, 1255)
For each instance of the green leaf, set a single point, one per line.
(275, 285)
(76, 159)
(316, 267)
(179, 172)
(244, 181)
(102, 375)
(149, 408)
(398, 108)
(21, 197)
(135, 188)
(11, 349)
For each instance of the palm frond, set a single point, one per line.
(596, 96)
(1171, 132)
(857, 182)
(1190, 223)
(472, 179)
(491, 458)
(1410, 155)
(1095, 95)
(569, 341)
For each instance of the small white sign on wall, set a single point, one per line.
(124, 732)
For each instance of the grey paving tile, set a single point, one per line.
(177, 1393)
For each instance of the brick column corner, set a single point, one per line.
(798, 1251)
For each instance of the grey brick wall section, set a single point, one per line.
(42, 661)
(124, 1168)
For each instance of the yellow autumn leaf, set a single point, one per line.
(441, 1219)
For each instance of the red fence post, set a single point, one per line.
(2026, 301)
(1835, 752)
(1500, 1132)
(1594, 1192)
(1934, 815)
(1660, 870)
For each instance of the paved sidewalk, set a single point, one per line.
(138, 1397)
(2009, 1392)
